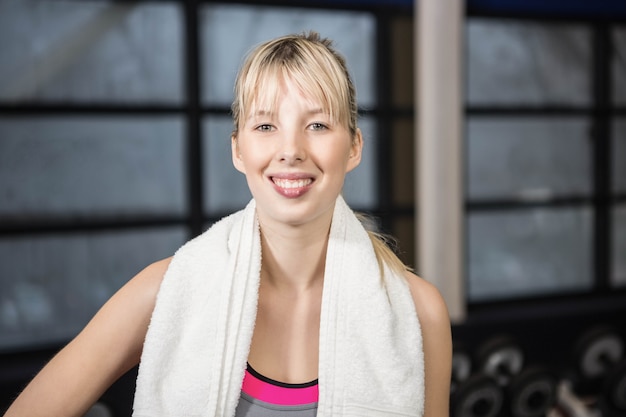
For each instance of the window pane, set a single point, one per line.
(619, 66)
(520, 253)
(245, 26)
(524, 158)
(90, 51)
(619, 155)
(226, 189)
(76, 166)
(528, 63)
(619, 246)
(52, 285)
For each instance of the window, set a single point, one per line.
(542, 218)
(114, 124)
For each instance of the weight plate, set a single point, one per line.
(532, 393)
(501, 358)
(478, 396)
(600, 354)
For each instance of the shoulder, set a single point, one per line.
(155, 271)
(429, 304)
(139, 293)
(436, 343)
(148, 281)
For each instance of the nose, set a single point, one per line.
(292, 149)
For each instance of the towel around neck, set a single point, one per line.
(194, 358)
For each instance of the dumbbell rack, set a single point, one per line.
(500, 385)
(497, 379)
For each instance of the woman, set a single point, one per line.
(286, 305)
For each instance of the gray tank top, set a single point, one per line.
(250, 407)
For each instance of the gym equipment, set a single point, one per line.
(597, 351)
(472, 395)
(600, 364)
(501, 357)
(532, 393)
(478, 396)
(529, 392)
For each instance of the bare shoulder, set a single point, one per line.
(153, 274)
(139, 293)
(429, 304)
(124, 319)
(127, 313)
(437, 344)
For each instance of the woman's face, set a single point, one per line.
(295, 159)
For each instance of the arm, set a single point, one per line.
(108, 347)
(437, 339)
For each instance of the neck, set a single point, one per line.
(294, 257)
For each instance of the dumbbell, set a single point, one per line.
(476, 395)
(529, 392)
(599, 360)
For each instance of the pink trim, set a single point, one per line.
(274, 394)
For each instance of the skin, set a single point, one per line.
(295, 161)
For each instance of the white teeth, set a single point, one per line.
(282, 183)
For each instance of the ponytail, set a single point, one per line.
(384, 246)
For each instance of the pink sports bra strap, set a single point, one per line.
(265, 389)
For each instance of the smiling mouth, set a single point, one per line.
(292, 184)
(292, 187)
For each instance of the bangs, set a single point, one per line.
(318, 78)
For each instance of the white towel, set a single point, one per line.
(195, 353)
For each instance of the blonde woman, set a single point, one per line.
(288, 307)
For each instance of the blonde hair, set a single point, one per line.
(311, 63)
(320, 72)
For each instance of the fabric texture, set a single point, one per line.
(196, 349)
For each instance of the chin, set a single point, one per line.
(297, 214)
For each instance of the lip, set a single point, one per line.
(292, 185)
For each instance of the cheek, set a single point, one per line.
(252, 158)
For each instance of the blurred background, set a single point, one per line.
(114, 150)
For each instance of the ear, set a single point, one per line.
(356, 150)
(236, 154)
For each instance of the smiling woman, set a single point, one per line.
(296, 152)
(290, 294)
